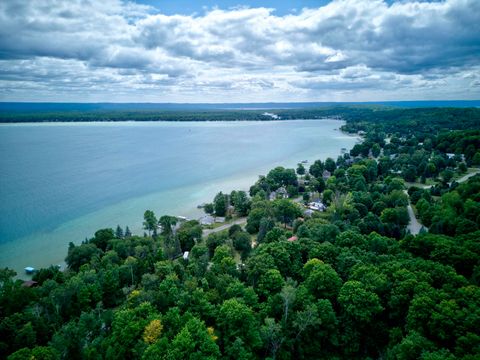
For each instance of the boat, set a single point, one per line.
(29, 270)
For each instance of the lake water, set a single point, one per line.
(60, 182)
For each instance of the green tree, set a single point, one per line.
(316, 169)
(189, 233)
(300, 169)
(321, 279)
(220, 204)
(119, 232)
(286, 211)
(167, 223)
(330, 165)
(79, 255)
(237, 320)
(194, 342)
(102, 237)
(149, 221)
(241, 202)
(242, 243)
(376, 150)
(358, 303)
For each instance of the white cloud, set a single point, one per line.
(111, 50)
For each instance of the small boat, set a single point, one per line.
(29, 270)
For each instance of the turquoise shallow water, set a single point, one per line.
(59, 182)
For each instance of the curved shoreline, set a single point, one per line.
(52, 245)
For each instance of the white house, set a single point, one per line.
(206, 220)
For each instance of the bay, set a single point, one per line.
(60, 182)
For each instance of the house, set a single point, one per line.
(293, 238)
(451, 156)
(206, 220)
(280, 193)
(317, 206)
(30, 283)
(219, 219)
(326, 174)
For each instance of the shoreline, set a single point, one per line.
(53, 245)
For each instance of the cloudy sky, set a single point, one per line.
(239, 51)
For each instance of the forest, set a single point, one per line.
(359, 117)
(349, 282)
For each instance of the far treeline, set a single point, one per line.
(357, 115)
(322, 263)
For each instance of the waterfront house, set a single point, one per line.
(206, 220)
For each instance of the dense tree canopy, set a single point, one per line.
(349, 282)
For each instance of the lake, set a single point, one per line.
(60, 182)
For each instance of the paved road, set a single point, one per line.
(414, 226)
(239, 221)
(468, 176)
(460, 180)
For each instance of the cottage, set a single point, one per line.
(206, 220)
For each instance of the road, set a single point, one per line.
(414, 226)
(240, 221)
(468, 176)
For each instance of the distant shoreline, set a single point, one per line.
(39, 113)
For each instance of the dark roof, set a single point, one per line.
(30, 283)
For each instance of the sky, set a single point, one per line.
(239, 51)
